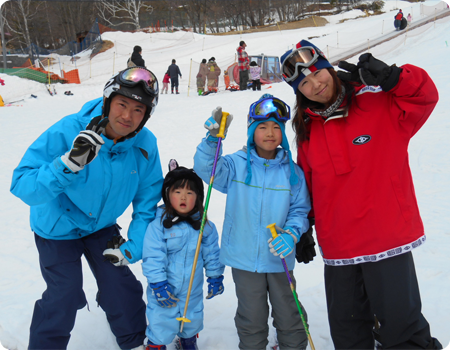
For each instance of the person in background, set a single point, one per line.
(78, 178)
(398, 20)
(201, 76)
(263, 186)
(409, 18)
(169, 249)
(166, 81)
(136, 58)
(352, 129)
(174, 72)
(255, 76)
(213, 75)
(243, 65)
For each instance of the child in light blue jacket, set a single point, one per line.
(263, 186)
(168, 255)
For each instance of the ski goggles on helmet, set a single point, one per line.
(268, 108)
(138, 75)
(297, 60)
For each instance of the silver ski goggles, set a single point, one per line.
(138, 75)
(298, 60)
(268, 108)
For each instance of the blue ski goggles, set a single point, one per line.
(138, 75)
(268, 108)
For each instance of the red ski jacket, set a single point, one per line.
(399, 16)
(358, 174)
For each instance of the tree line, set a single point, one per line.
(52, 24)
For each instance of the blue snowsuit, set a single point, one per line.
(250, 208)
(168, 255)
(75, 213)
(268, 198)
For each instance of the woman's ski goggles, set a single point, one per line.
(138, 75)
(299, 59)
(267, 108)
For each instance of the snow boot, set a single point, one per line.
(177, 92)
(151, 346)
(188, 343)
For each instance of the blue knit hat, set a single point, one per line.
(284, 144)
(321, 63)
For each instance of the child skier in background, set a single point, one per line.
(169, 249)
(255, 76)
(166, 81)
(263, 186)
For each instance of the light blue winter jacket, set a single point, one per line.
(168, 254)
(250, 208)
(66, 205)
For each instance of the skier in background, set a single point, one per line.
(166, 81)
(78, 178)
(255, 76)
(213, 75)
(398, 20)
(201, 77)
(136, 58)
(174, 72)
(169, 249)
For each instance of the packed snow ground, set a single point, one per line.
(178, 125)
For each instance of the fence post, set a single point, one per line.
(382, 27)
(114, 61)
(189, 81)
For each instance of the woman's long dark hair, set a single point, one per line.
(299, 120)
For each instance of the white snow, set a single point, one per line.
(178, 125)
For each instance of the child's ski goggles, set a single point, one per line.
(299, 59)
(267, 108)
(138, 75)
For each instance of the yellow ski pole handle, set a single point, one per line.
(223, 123)
(273, 231)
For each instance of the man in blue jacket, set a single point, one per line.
(78, 177)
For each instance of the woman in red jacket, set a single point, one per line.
(353, 128)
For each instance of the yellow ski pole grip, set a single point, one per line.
(273, 231)
(223, 122)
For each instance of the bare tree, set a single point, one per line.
(21, 12)
(118, 12)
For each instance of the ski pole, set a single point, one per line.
(273, 231)
(220, 136)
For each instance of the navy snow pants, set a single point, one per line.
(119, 292)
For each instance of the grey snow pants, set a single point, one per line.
(252, 312)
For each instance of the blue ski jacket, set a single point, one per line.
(250, 208)
(66, 205)
(168, 254)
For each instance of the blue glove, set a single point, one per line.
(284, 243)
(163, 293)
(213, 124)
(215, 286)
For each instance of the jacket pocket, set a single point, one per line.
(405, 205)
(227, 230)
(174, 239)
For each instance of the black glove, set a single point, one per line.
(371, 72)
(304, 249)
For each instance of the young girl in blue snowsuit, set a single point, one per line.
(263, 186)
(168, 255)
